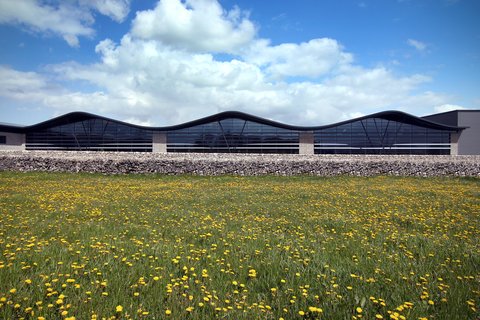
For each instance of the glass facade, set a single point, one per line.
(396, 133)
(91, 134)
(233, 135)
(381, 136)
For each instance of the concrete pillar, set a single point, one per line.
(306, 142)
(159, 142)
(454, 136)
(13, 141)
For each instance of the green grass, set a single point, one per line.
(79, 245)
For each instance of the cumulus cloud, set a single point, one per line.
(309, 59)
(197, 25)
(67, 19)
(165, 71)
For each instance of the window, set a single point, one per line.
(3, 139)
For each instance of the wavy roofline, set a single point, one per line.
(80, 116)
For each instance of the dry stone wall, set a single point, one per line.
(239, 164)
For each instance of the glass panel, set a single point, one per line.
(233, 136)
(381, 136)
(93, 134)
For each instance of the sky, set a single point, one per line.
(302, 62)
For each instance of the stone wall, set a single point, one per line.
(234, 164)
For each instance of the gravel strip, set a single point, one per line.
(239, 164)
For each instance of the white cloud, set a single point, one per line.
(115, 9)
(309, 59)
(418, 45)
(149, 78)
(66, 19)
(447, 107)
(138, 122)
(197, 25)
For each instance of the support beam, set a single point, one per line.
(12, 141)
(159, 142)
(306, 142)
(454, 136)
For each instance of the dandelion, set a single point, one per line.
(359, 310)
(168, 312)
(118, 308)
(28, 281)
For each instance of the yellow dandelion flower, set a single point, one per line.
(119, 308)
(359, 310)
(168, 312)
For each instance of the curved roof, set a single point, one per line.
(81, 116)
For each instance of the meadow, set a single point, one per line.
(91, 246)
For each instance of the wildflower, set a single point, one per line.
(119, 308)
(315, 309)
(12, 291)
(301, 313)
(359, 310)
(378, 316)
(28, 281)
(168, 312)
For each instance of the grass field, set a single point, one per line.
(126, 247)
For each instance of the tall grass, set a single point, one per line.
(161, 247)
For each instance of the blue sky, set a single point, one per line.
(300, 62)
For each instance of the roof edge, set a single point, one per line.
(80, 115)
